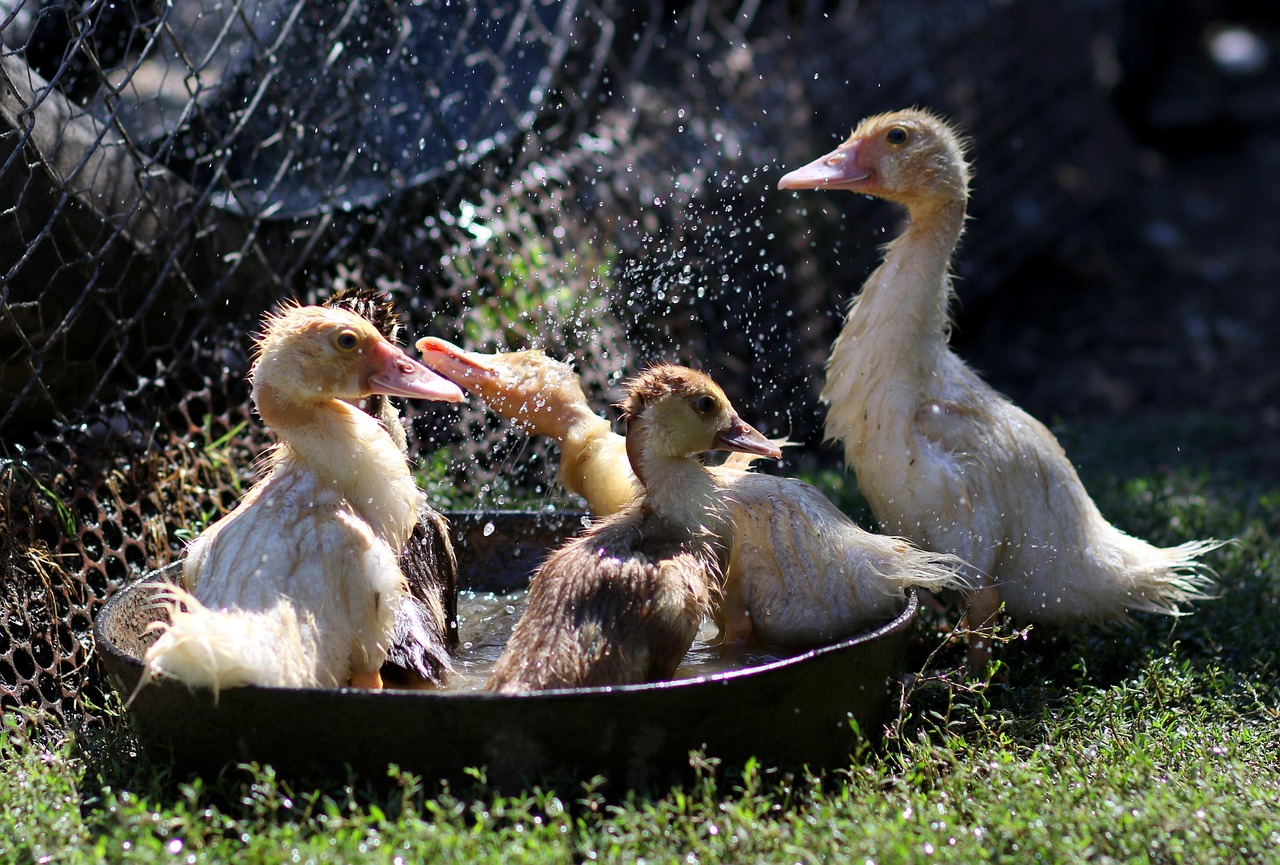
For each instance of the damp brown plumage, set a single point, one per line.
(621, 603)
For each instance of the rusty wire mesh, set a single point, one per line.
(586, 176)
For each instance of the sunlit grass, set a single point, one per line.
(1156, 742)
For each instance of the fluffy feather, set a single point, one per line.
(940, 456)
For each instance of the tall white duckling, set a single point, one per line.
(941, 457)
(299, 585)
(800, 572)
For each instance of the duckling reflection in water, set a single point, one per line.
(621, 604)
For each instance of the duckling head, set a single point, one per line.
(912, 157)
(308, 355)
(541, 394)
(674, 412)
(376, 307)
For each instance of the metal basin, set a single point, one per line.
(805, 710)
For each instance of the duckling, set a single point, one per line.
(544, 397)
(298, 586)
(942, 457)
(799, 572)
(621, 603)
(419, 651)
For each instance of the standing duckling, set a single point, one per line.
(298, 586)
(940, 456)
(799, 572)
(621, 604)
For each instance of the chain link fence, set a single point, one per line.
(586, 176)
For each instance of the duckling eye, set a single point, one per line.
(897, 135)
(705, 404)
(347, 340)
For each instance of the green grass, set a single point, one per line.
(1159, 742)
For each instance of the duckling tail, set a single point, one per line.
(215, 649)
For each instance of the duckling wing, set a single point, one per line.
(426, 623)
(807, 573)
(298, 544)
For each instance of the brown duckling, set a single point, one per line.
(622, 603)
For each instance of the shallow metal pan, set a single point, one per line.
(805, 710)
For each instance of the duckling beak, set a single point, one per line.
(397, 374)
(839, 169)
(743, 438)
(454, 363)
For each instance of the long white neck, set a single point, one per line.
(903, 306)
(890, 349)
(346, 448)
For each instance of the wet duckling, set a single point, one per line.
(544, 397)
(800, 572)
(427, 617)
(941, 456)
(622, 603)
(298, 586)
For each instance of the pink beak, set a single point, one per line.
(743, 438)
(839, 169)
(400, 375)
(450, 361)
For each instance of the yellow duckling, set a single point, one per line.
(298, 586)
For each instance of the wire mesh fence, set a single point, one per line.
(585, 176)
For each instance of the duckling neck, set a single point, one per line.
(903, 305)
(346, 448)
(593, 465)
(679, 490)
(582, 429)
